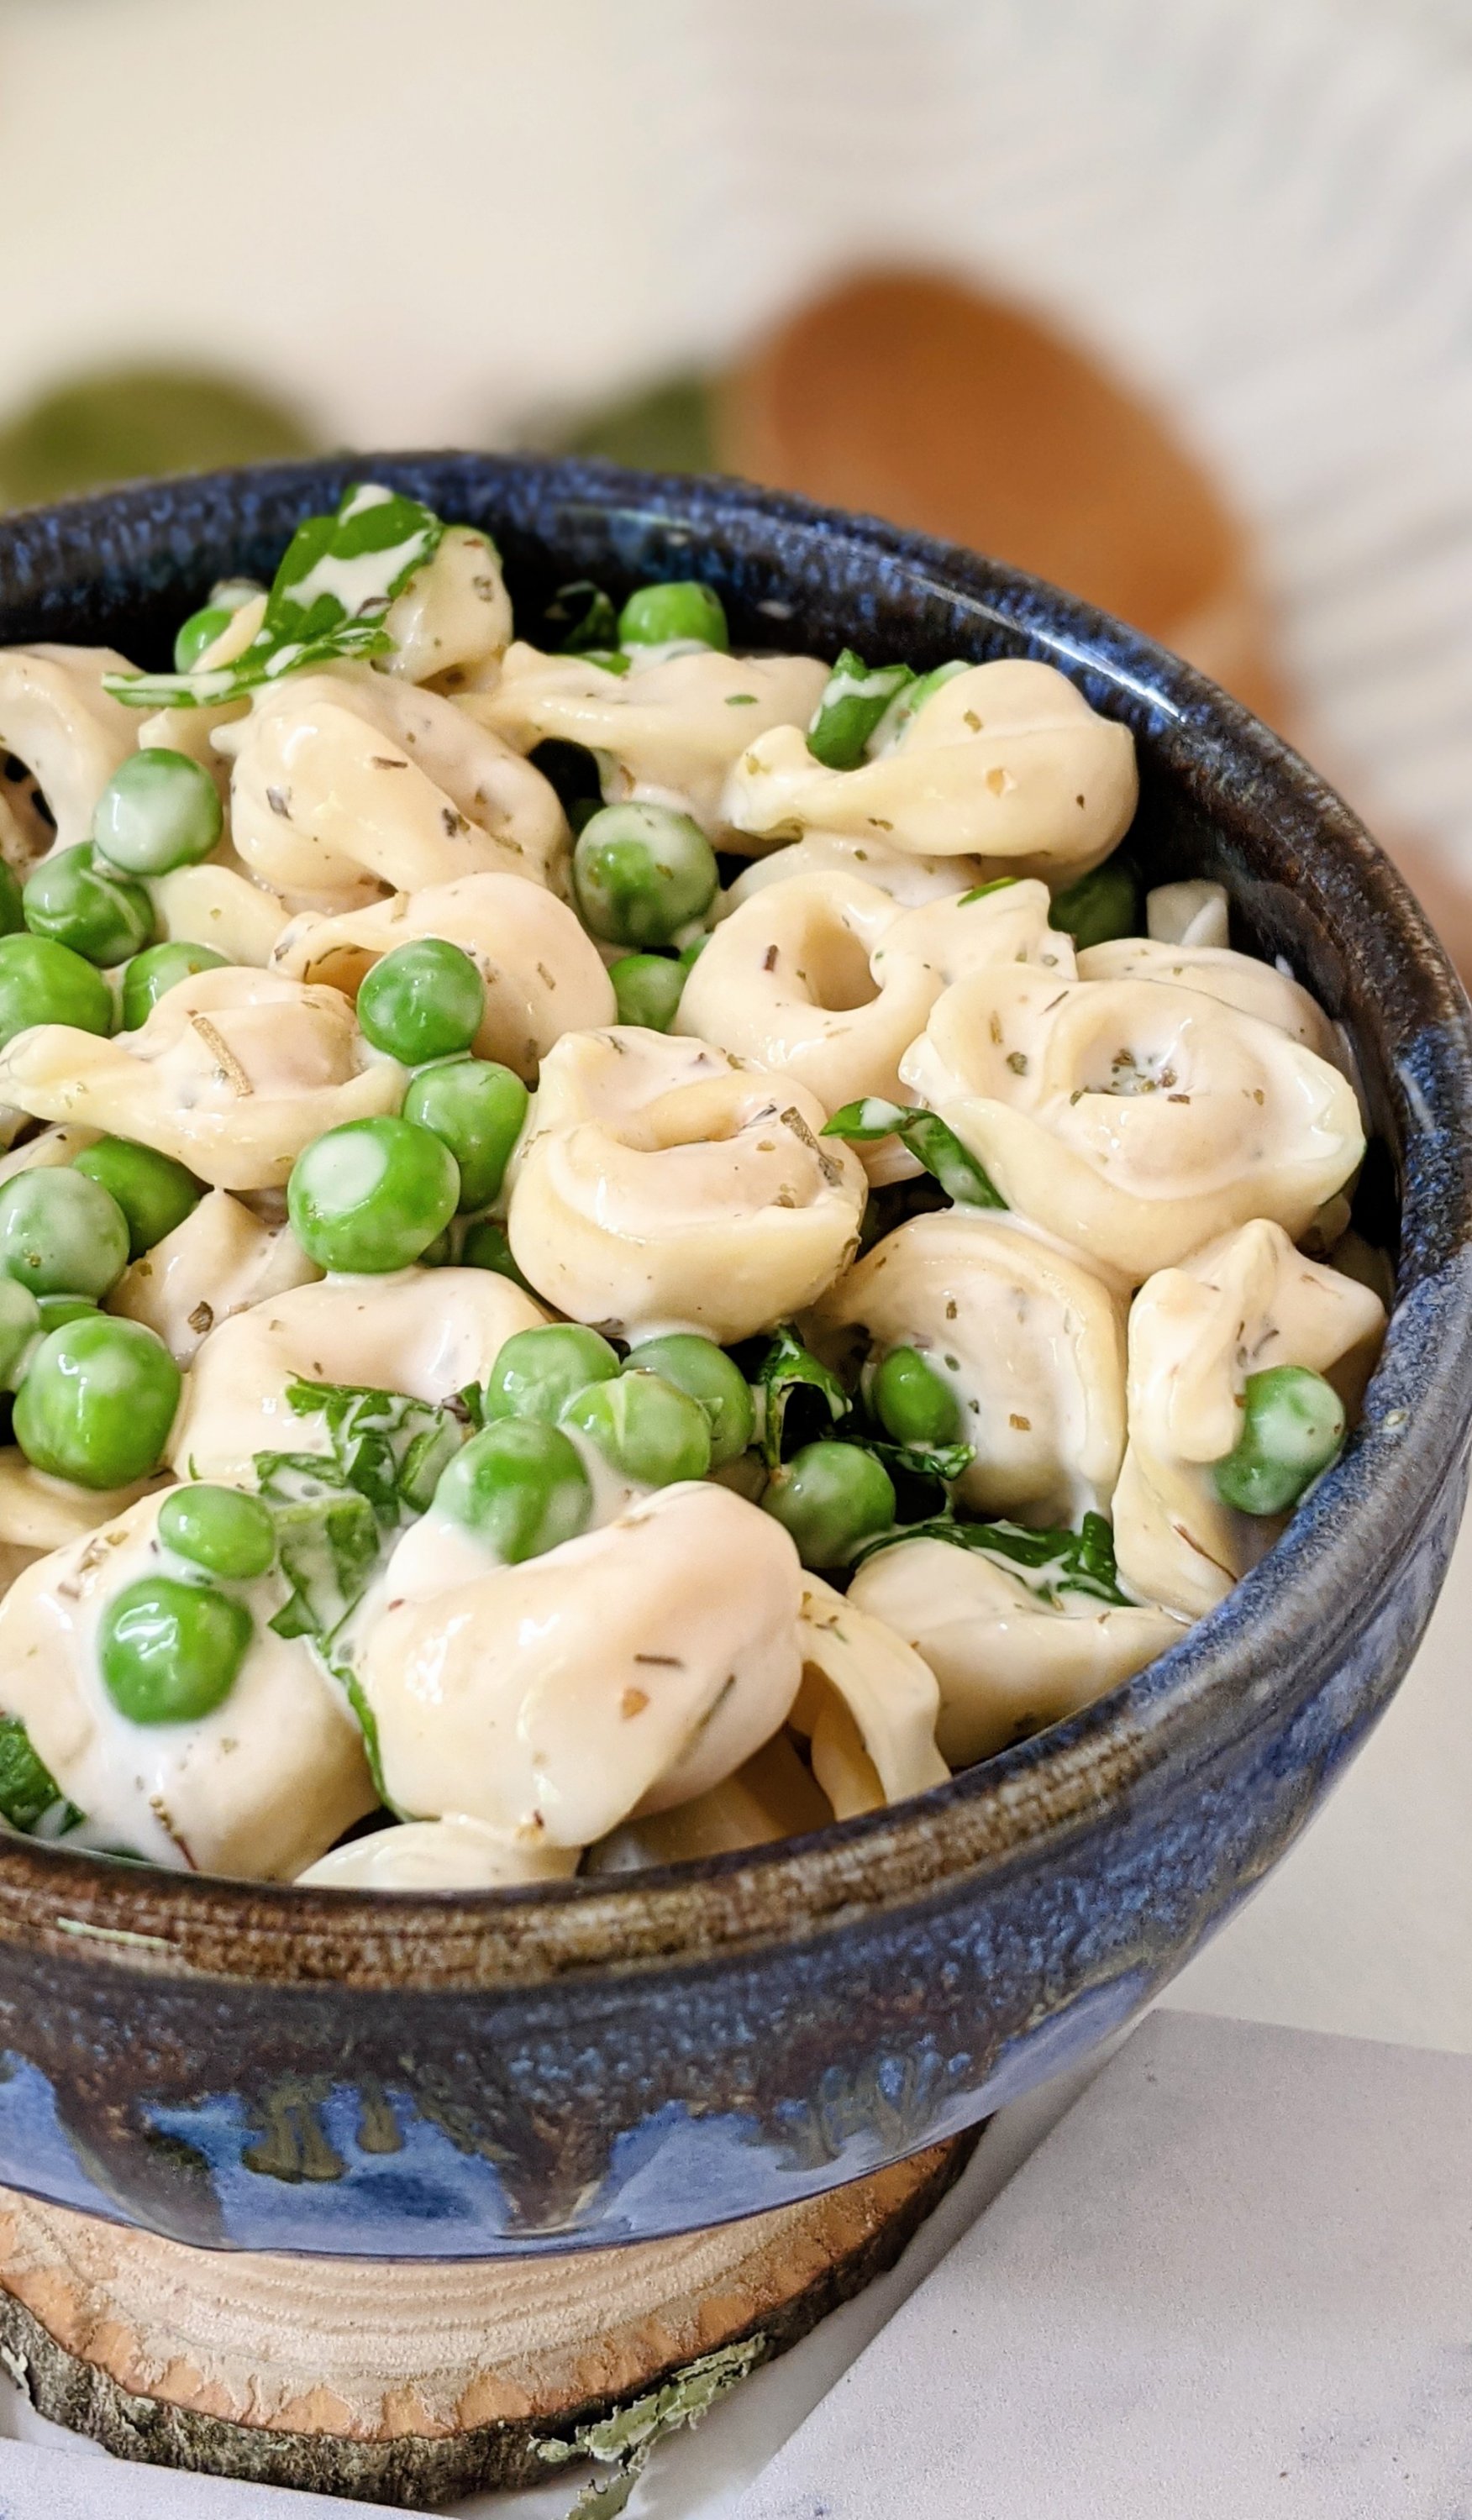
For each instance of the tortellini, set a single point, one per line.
(451, 626)
(824, 979)
(1134, 1119)
(659, 1185)
(1008, 1659)
(39, 1513)
(349, 783)
(1025, 1335)
(1236, 980)
(232, 1074)
(771, 1795)
(664, 732)
(1245, 1303)
(217, 905)
(868, 1706)
(906, 879)
(455, 1853)
(625, 1670)
(1006, 762)
(424, 1332)
(543, 975)
(220, 1261)
(58, 720)
(260, 1787)
(1191, 913)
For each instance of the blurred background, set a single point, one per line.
(1170, 300)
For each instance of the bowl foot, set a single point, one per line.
(411, 2381)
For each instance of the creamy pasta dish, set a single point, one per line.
(613, 1249)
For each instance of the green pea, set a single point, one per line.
(537, 1371)
(1291, 1429)
(698, 1367)
(647, 989)
(223, 1529)
(171, 1653)
(372, 1196)
(159, 810)
(831, 1498)
(648, 1428)
(1100, 906)
(851, 704)
(12, 908)
(486, 1247)
(57, 1310)
(655, 616)
(641, 873)
(199, 632)
(202, 628)
(42, 982)
(150, 975)
(477, 1109)
(423, 1001)
(913, 1404)
(153, 1192)
(62, 1233)
(78, 900)
(20, 1322)
(98, 1401)
(520, 1486)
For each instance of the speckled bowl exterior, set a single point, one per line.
(506, 2073)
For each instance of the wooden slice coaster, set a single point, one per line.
(405, 2382)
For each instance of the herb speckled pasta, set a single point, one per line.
(538, 1350)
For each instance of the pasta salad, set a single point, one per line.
(612, 1251)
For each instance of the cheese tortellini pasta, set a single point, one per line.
(1028, 1338)
(346, 784)
(1246, 1304)
(528, 1357)
(661, 1185)
(1008, 1659)
(261, 1786)
(1006, 762)
(232, 1074)
(1135, 1118)
(57, 719)
(624, 1671)
(543, 975)
(427, 1335)
(666, 731)
(822, 978)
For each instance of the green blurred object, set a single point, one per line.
(663, 428)
(132, 424)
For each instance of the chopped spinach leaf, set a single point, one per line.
(929, 1141)
(1051, 1562)
(787, 1367)
(586, 617)
(29, 1791)
(327, 600)
(389, 1447)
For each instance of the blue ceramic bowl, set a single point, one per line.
(507, 2073)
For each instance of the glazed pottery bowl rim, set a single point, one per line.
(1333, 1565)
